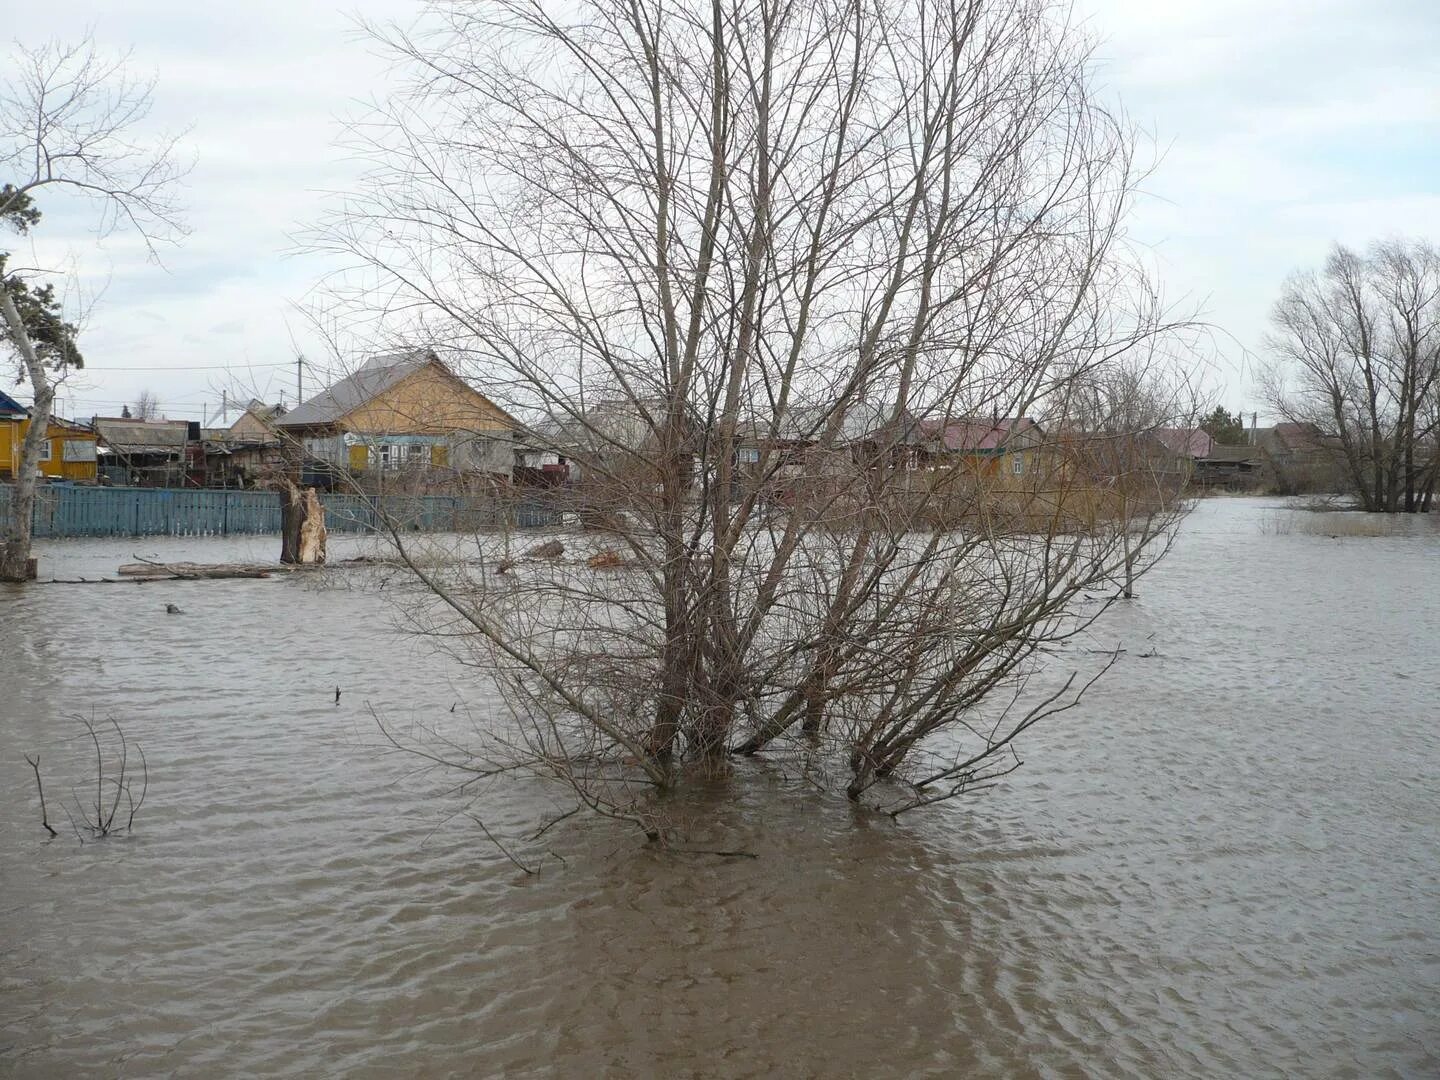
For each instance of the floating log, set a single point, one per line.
(192, 571)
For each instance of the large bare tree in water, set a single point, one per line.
(68, 126)
(1357, 347)
(787, 284)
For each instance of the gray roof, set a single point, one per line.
(602, 425)
(1222, 452)
(863, 421)
(142, 436)
(375, 377)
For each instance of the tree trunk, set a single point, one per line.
(292, 515)
(15, 557)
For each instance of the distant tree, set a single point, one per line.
(147, 406)
(67, 124)
(1357, 354)
(1226, 428)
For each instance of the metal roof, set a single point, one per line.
(142, 436)
(345, 396)
(10, 407)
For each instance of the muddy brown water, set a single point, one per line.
(1225, 863)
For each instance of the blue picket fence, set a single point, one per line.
(64, 510)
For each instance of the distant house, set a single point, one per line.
(402, 411)
(1299, 458)
(242, 444)
(1208, 463)
(1000, 448)
(150, 453)
(69, 452)
(253, 421)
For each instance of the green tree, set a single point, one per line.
(1226, 428)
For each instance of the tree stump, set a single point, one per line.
(302, 526)
(312, 530)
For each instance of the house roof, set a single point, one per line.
(375, 377)
(10, 407)
(142, 436)
(863, 421)
(1185, 442)
(602, 424)
(1299, 437)
(1222, 452)
(976, 436)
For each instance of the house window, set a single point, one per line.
(45, 450)
(382, 455)
(1017, 465)
(747, 455)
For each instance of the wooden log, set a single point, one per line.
(152, 571)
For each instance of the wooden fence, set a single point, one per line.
(63, 510)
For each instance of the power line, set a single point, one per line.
(189, 367)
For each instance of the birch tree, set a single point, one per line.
(69, 126)
(746, 265)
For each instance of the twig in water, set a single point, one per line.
(44, 817)
(503, 849)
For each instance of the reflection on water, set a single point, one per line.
(1225, 863)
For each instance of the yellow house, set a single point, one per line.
(403, 411)
(69, 452)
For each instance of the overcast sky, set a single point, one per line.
(1280, 126)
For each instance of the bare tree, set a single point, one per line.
(147, 406)
(1357, 349)
(68, 124)
(783, 283)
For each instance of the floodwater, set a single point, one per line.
(1226, 863)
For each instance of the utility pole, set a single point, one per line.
(299, 369)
